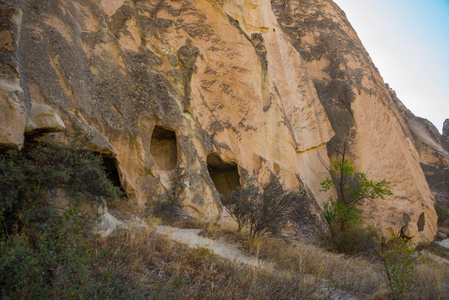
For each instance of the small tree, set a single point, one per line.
(351, 187)
(398, 256)
(344, 218)
(272, 210)
(265, 210)
(239, 203)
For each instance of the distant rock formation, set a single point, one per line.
(191, 97)
(433, 150)
(446, 130)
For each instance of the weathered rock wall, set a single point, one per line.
(13, 112)
(358, 104)
(162, 84)
(433, 149)
(174, 89)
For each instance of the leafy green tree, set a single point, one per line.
(352, 187)
(342, 214)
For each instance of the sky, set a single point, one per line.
(408, 41)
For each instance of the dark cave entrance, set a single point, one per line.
(110, 167)
(421, 222)
(164, 148)
(225, 176)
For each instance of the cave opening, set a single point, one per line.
(110, 167)
(164, 148)
(421, 222)
(225, 175)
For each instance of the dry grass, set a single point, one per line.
(356, 275)
(432, 279)
(166, 269)
(360, 276)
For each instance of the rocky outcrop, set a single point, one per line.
(189, 97)
(446, 130)
(160, 85)
(433, 151)
(108, 223)
(359, 106)
(12, 100)
(43, 119)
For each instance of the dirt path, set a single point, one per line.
(231, 252)
(221, 248)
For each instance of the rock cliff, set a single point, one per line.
(433, 149)
(189, 98)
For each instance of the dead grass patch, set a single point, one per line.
(166, 269)
(432, 278)
(361, 276)
(356, 275)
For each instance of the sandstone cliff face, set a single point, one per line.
(433, 151)
(12, 98)
(358, 103)
(190, 97)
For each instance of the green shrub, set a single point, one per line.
(58, 261)
(398, 257)
(27, 176)
(45, 252)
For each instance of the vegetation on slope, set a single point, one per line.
(49, 251)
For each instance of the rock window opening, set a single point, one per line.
(164, 148)
(225, 176)
(421, 222)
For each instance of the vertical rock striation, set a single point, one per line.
(433, 149)
(359, 106)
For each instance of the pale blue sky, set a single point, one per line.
(408, 41)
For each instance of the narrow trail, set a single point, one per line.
(231, 252)
(221, 248)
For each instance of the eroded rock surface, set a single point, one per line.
(262, 85)
(12, 98)
(446, 130)
(358, 104)
(43, 119)
(433, 150)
